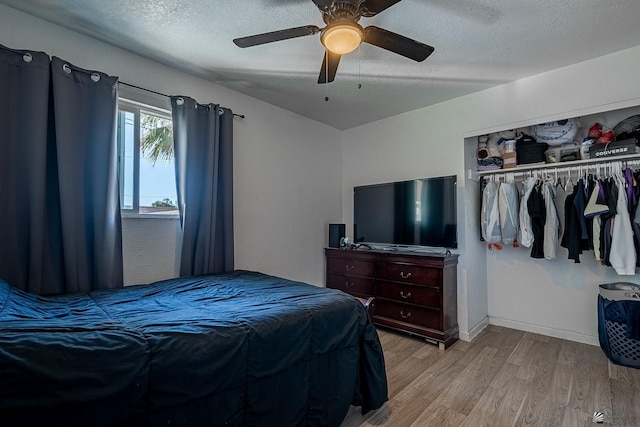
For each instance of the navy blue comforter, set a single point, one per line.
(237, 349)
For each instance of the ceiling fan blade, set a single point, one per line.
(275, 36)
(373, 7)
(328, 72)
(323, 4)
(397, 44)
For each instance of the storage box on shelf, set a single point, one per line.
(613, 149)
(510, 160)
(530, 152)
(563, 153)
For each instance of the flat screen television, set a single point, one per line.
(420, 212)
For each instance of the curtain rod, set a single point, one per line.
(164, 94)
(28, 59)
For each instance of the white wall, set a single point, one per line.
(282, 206)
(508, 288)
(149, 249)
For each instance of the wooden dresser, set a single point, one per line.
(414, 292)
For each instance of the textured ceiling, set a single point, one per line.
(478, 44)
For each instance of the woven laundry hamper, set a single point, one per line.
(619, 322)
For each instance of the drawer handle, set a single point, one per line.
(405, 296)
(405, 275)
(405, 316)
(349, 284)
(350, 267)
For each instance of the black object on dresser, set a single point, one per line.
(336, 232)
(414, 292)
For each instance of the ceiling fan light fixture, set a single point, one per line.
(342, 38)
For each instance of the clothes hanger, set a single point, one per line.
(569, 183)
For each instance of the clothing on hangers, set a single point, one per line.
(525, 232)
(587, 215)
(596, 204)
(630, 183)
(490, 214)
(607, 218)
(596, 238)
(571, 237)
(623, 253)
(508, 200)
(560, 198)
(538, 213)
(552, 230)
(579, 201)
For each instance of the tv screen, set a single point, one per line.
(420, 212)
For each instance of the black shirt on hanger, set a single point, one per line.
(571, 239)
(538, 213)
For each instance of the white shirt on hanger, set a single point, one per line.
(623, 251)
(525, 232)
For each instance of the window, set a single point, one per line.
(145, 160)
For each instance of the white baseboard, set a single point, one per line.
(543, 330)
(470, 335)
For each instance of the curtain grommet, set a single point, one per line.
(27, 57)
(95, 77)
(220, 111)
(66, 68)
(180, 101)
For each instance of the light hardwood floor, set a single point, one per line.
(504, 377)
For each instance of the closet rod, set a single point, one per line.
(620, 163)
(563, 165)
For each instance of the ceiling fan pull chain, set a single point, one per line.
(326, 73)
(359, 79)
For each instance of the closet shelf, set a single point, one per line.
(574, 163)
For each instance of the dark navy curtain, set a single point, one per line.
(203, 147)
(60, 226)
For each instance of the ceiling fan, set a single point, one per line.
(343, 34)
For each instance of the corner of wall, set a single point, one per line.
(475, 331)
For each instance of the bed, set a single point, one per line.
(235, 349)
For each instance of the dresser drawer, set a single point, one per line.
(351, 284)
(424, 317)
(410, 274)
(351, 266)
(411, 294)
